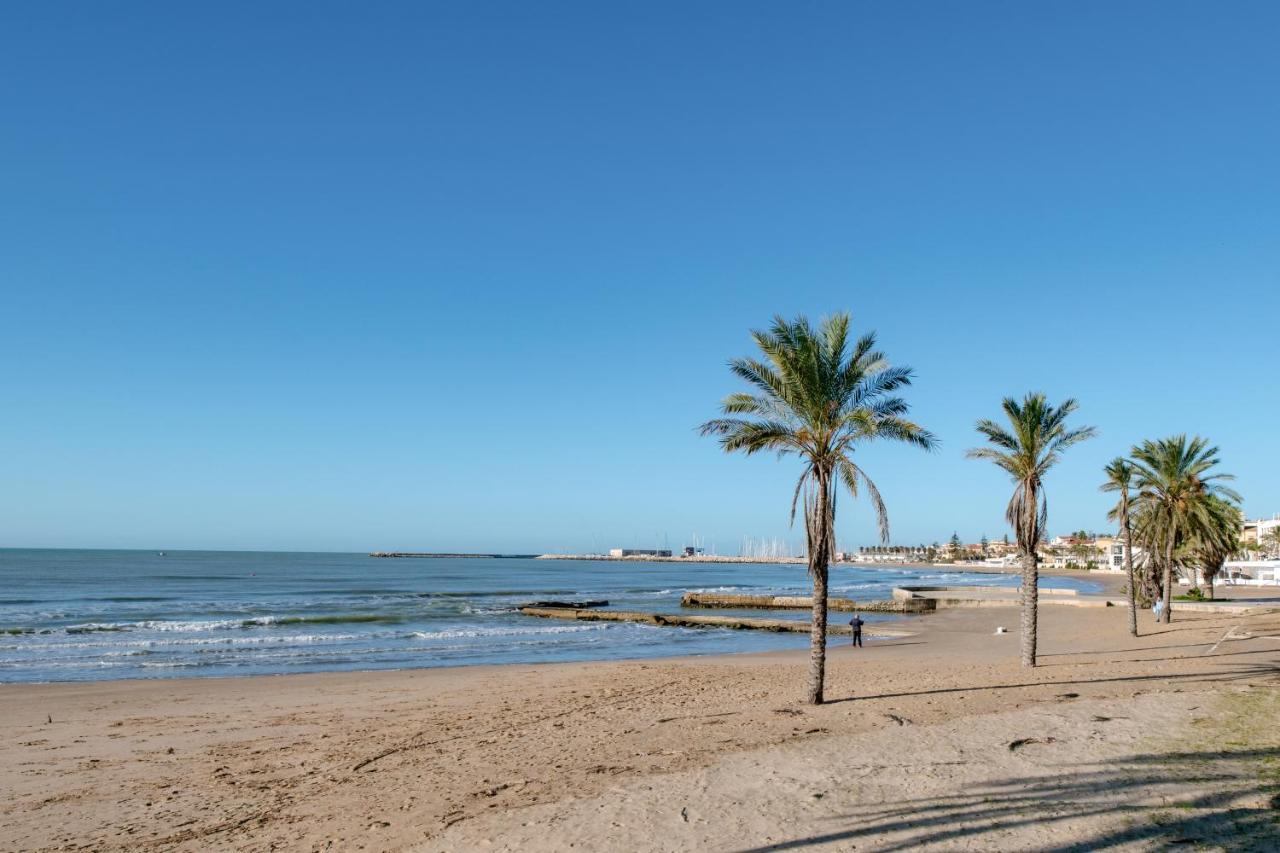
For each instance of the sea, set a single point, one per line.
(69, 615)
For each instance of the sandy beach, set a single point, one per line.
(937, 740)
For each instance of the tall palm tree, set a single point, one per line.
(1120, 479)
(1026, 451)
(817, 395)
(1174, 486)
(1214, 541)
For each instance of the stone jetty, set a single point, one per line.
(676, 620)
(722, 601)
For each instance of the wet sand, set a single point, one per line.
(698, 753)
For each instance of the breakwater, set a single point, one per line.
(671, 620)
(803, 602)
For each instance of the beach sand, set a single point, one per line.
(1134, 742)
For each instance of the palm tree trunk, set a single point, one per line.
(1128, 565)
(1208, 581)
(1168, 574)
(818, 635)
(819, 527)
(1030, 601)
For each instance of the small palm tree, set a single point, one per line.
(1216, 539)
(1120, 479)
(1026, 451)
(1174, 486)
(817, 398)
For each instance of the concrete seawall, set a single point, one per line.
(679, 621)
(803, 602)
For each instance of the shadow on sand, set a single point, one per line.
(1236, 811)
(1234, 804)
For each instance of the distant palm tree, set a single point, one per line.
(818, 399)
(1026, 451)
(1120, 479)
(1273, 537)
(1174, 488)
(1213, 542)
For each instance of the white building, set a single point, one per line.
(1256, 535)
(1251, 573)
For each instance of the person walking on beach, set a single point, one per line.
(856, 624)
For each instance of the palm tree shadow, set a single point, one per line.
(1141, 800)
(1248, 672)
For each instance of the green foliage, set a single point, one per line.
(1182, 512)
(1193, 594)
(1032, 444)
(817, 395)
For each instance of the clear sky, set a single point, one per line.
(466, 275)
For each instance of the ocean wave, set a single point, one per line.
(95, 628)
(336, 619)
(126, 599)
(184, 642)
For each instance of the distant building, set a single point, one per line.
(639, 552)
(1251, 572)
(1256, 535)
(1101, 553)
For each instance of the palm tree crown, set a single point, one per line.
(1032, 444)
(1119, 473)
(1213, 544)
(818, 398)
(1174, 487)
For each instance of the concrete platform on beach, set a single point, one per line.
(676, 620)
(725, 601)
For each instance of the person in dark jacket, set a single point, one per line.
(856, 624)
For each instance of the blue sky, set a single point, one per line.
(466, 276)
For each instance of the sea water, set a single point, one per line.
(87, 615)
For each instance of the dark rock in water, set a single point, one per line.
(568, 605)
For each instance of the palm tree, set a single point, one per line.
(1032, 445)
(1273, 536)
(1120, 479)
(1174, 488)
(817, 398)
(1213, 542)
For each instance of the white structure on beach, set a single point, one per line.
(1251, 572)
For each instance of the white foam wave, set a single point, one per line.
(503, 632)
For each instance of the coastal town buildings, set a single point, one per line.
(1260, 535)
(1258, 563)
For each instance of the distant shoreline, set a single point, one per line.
(716, 558)
(649, 558)
(425, 555)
